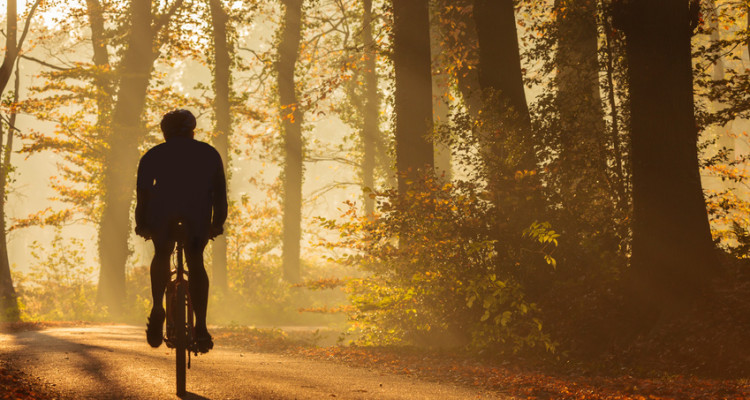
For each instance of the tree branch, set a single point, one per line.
(44, 63)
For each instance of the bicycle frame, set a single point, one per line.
(180, 323)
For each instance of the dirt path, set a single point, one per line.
(114, 362)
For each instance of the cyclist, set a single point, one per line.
(181, 179)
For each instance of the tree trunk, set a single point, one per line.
(620, 174)
(440, 91)
(413, 93)
(673, 253)
(371, 117)
(122, 155)
(8, 299)
(462, 48)
(499, 58)
(11, 45)
(291, 128)
(105, 93)
(506, 142)
(580, 172)
(222, 113)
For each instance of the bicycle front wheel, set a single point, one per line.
(180, 330)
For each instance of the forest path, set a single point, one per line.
(114, 362)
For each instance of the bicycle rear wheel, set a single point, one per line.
(180, 331)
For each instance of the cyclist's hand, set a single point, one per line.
(143, 232)
(215, 231)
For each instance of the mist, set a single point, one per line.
(558, 181)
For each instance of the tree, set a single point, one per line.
(672, 249)
(413, 89)
(440, 93)
(9, 310)
(581, 152)
(500, 75)
(128, 132)
(459, 56)
(581, 166)
(290, 112)
(222, 113)
(13, 45)
(504, 135)
(371, 109)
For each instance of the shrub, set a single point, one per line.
(60, 284)
(435, 276)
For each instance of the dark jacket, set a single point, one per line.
(181, 179)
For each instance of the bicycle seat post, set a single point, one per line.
(180, 235)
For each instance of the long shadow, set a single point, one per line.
(31, 342)
(193, 396)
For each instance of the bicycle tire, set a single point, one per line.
(180, 300)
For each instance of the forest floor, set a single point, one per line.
(366, 371)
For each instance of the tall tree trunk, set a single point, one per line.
(413, 94)
(500, 65)
(222, 113)
(122, 155)
(11, 45)
(8, 299)
(440, 91)
(506, 140)
(672, 249)
(725, 140)
(581, 170)
(371, 117)
(619, 174)
(291, 127)
(8, 302)
(462, 45)
(95, 13)
(510, 148)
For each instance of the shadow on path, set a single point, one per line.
(34, 349)
(193, 396)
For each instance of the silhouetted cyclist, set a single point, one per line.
(181, 179)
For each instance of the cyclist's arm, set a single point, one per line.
(219, 197)
(144, 182)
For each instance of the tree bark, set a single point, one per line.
(509, 146)
(371, 117)
(580, 173)
(9, 310)
(122, 155)
(460, 41)
(223, 116)
(11, 45)
(506, 140)
(291, 128)
(440, 90)
(500, 72)
(673, 253)
(619, 167)
(413, 93)
(8, 300)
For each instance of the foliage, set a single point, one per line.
(721, 82)
(60, 284)
(433, 272)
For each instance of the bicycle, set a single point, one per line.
(180, 332)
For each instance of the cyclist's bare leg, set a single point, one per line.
(160, 271)
(159, 280)
(198, 284)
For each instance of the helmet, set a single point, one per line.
(178, 123)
